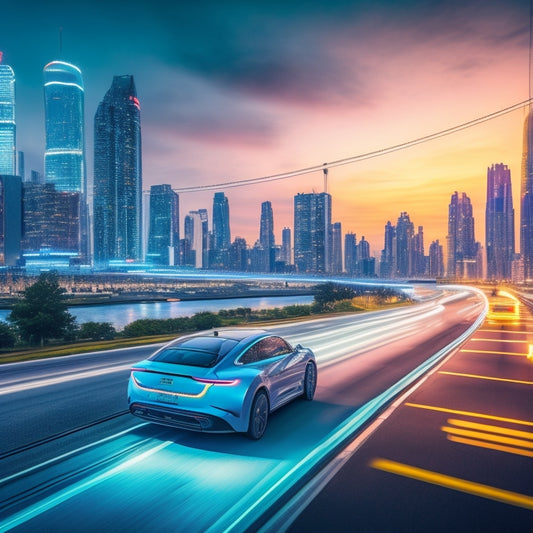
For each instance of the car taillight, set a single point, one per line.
(225, 382)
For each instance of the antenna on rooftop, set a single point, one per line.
(325, 178)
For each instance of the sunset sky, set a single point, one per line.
(237, 90)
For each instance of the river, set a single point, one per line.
(119, 315)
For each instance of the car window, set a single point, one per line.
(265, 349)
(196, 351)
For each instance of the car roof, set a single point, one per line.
(231, 334)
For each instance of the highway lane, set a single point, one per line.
(148, 472)
(456, 454)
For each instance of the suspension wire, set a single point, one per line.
(359, 157)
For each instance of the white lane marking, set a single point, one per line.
(78, 488)
(10, 389)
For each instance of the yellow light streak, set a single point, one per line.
(490, 446)
(470, 413)
(454, 483)
(490, 378)
(498, 340)
(530, 353)
(498, 330)
(489, 437)
(491, 429)
(493, 352)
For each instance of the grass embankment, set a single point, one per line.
(260, 318)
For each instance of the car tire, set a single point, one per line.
(309, 381)
(258, 416)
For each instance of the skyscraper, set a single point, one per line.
(526, 199)
(499, 223)
(118, 174)
(312, 222)
(266, 235)
(350, 253)
(286, 246)
(404, 246)
(336, 248)
(163, 235)
(219, 254)
(436, 260)
(388, 254)
(10, 219)
(195, 230)
(8, 148)
(64, 157)
(462, 257)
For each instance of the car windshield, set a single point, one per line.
(195, 351)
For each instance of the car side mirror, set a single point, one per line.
(299, 347)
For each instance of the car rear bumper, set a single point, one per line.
(180, 418)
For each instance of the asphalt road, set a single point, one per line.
(72, 460)
(455, 455)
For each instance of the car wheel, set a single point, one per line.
(309, 381)
(258, 416)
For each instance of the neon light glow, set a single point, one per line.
(469, 413)
(454, 483)
(207, 386)
(521, 382)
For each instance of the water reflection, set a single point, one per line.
(122, 314)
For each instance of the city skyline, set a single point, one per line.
(238, 91)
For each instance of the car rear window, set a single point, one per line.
(196, 351)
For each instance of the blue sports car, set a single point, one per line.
(221, 381)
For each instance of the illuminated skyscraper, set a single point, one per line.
(118, 174)
(499, 223)
(266, 236)
(462, 246)
(336, 248)
(8, 148)
(64, 157)
(219, 256)
(404, 246)
(526, 199)
(312, 222)
(164, 235)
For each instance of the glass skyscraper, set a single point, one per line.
(8, 148)
(462, 260)
(64, 157)
(526, 199)
(312, 222)
(499, 223)
(118, 174)
(164, 235)
(219, 254)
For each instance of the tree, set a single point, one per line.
(97, 331)
(7, 336)
(328, 293)
(42, 313)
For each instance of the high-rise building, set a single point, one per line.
(64, 157)
(118, 174)
(10, 219)
(51, 219)
(21, 170)
(404, 245)
(312, 222)
(418, 258)
(526, 199)
(239, 255)
(436, 260)
(350, 253)
(266, 236)
(336, 248)
(499, 223)
(219, 254)
(163, 235)
(388, 254)
(196, 236)
(462, 256)
(286, 246)
(8, 147)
